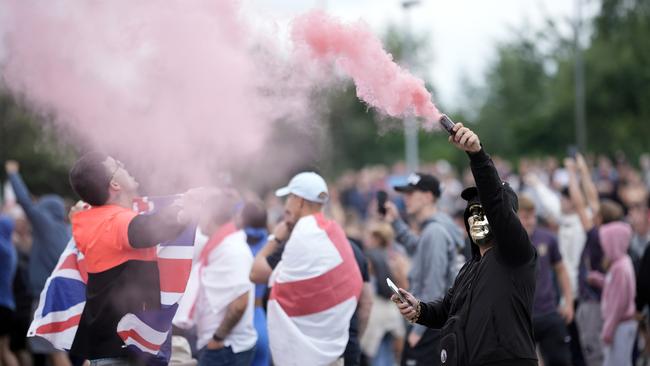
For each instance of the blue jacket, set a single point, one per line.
(8, 262)
(50, 232)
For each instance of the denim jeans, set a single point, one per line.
(225, 356)
(109, 362)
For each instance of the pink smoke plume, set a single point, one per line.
(380, 82)
(170, 86)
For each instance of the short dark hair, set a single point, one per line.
(89, 178)
(254, 215)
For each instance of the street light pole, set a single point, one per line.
(580, 110)
(410, 124)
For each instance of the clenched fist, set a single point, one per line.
(465, 139)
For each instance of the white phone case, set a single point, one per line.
(395, 290)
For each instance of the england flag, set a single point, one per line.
(315, 290)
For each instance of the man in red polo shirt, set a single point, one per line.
(120, 254)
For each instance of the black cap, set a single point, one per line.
(470, 195)
(421, 182)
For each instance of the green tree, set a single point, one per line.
(43, 158)
(528, 100)
(618, 78)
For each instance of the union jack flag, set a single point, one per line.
(148, 332)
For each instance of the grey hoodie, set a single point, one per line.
(50, 232)
(433, 255)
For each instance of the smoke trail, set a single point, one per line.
(380, 82)
(171, 87)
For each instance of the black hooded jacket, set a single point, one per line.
(486, 317)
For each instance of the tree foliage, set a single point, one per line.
(528, 105)
(525, 108)
(44, 158)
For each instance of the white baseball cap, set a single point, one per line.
(307, 185)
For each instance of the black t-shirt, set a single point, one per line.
(352, 354)
(128, 288)
(643, 281)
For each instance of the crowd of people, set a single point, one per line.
(298, 276)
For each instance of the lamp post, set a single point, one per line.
(410, 125)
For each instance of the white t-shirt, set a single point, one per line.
(571, 240)
(224, 279)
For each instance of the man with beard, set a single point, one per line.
(486, 316)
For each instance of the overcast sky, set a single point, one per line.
(463, 32)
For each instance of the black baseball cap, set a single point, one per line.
(421, 182)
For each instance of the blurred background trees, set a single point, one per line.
(528, 104)
(33, 142)
(525, 106)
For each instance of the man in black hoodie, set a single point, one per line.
(486, 316)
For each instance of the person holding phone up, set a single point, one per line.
(432, 248)
(486, 316)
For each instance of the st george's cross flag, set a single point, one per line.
(315, 290)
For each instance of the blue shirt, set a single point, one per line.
(8, 263)
(260, 288)
(50, 232)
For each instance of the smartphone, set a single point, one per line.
(447, 124)
(382, 197)
(572, 151)
(392, 286)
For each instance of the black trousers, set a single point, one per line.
(425, 353)
(553, 338)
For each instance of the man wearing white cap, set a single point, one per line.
(316, 282)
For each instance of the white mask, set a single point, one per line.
(479, 227)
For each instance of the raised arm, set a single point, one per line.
(23, 197)
(588, 186)
(150, 230)
(512, 240)
(403, 234)
(575, 193)
(548, 200)
(267, 258)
